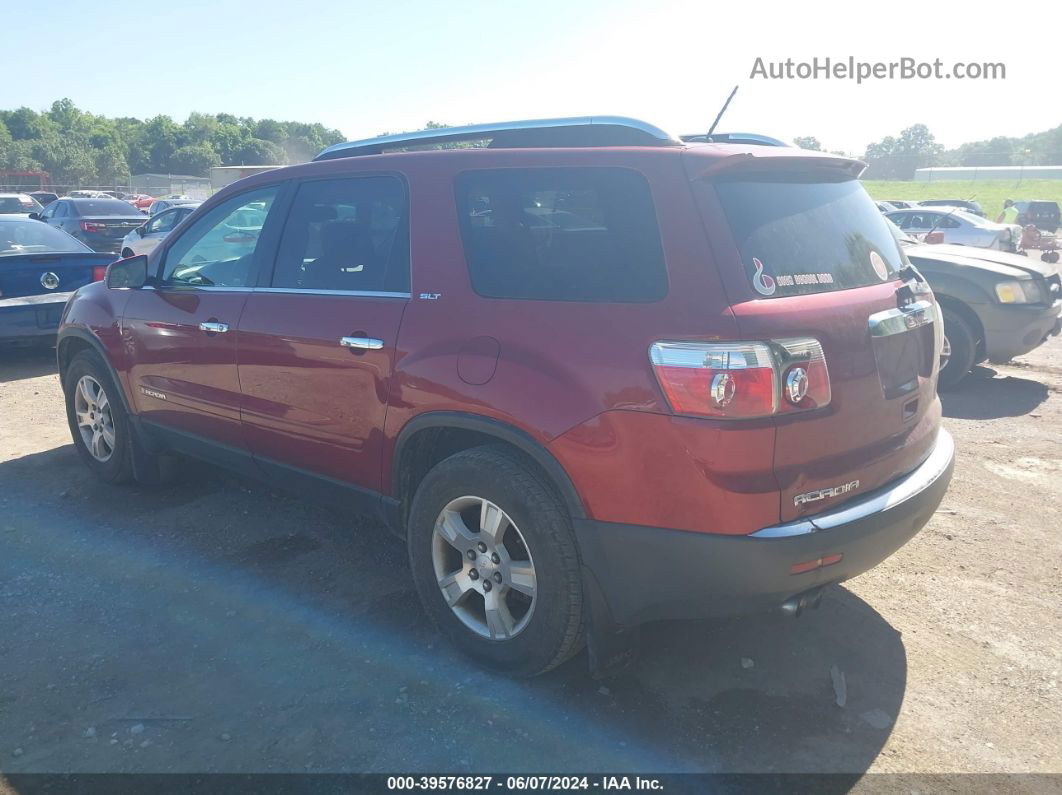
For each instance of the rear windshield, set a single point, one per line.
(33, 237)
(797, 236)
(91, 207)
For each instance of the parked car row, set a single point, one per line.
(1044, 215)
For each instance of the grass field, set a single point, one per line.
(990, 193)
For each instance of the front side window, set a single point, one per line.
(218, 250)
(346, 234)
(561, 234)
(163, 222)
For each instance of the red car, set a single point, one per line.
(141, 201)
(593, 376)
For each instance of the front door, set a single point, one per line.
(181, 332)
(317, 346)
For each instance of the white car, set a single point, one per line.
(18, 204)
(957, 226)
(148, 235)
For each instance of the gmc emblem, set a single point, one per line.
(822, 494)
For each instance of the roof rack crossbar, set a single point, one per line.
(551, 132)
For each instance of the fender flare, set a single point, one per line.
(97, 346)
(502, 431)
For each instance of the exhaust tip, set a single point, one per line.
(795, 605)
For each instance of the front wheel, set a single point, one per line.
(98, 422)
(958, 352)
(494, 562)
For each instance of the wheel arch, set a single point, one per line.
(429, 438)
(71, 342)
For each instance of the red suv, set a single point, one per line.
(592, 375)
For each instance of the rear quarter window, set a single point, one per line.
(566, 234)
(798, 235)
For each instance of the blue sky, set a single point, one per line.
(369, 67)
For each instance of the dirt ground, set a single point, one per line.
(215, 625)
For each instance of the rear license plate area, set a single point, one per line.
(903, 352)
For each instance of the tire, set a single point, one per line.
(963, 343)
(112, 461)
(542, 630)
(126, 253)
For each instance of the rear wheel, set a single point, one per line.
(494, 562)
(127, 253)
(958, 352)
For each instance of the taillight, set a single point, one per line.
(92, 226)
(742, 380)
(805, 381)
(99, 273)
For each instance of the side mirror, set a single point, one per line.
(141, 230)
(128, 273)
(35, 216)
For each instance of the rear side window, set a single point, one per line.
(797, 236)
(348, 235)
(566, 234)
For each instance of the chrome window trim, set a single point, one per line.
(198, 287)
(291, 290)
(911, 485)
(348, 293)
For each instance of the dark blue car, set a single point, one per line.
(98, 223)
(40, 267)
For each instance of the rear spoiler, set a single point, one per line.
(780, 159)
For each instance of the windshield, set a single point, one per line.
(798, 236)
(92, 207)
(18, 204)
(899, 234)
(33, 237)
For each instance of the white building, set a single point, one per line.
(1012, 173)
(220, 176)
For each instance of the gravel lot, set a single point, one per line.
(215, 625)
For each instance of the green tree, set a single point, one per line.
(898, 158)
(808, 142)
(256, 152)
(195, 160)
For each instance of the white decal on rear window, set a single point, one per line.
(761, 282)
(878, 264)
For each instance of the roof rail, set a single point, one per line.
(576, 131)
(735, 138)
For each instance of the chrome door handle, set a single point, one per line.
(215, 328)
(361, 343)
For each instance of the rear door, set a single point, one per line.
(809, 255)
(181, 332)
(317, 346)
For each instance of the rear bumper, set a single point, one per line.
(33, 317)
(647, 574)
(1013, 330)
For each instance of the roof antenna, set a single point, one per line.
(721, 112)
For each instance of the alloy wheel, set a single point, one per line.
(945, 352)
(94, 420)
(484, 568)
